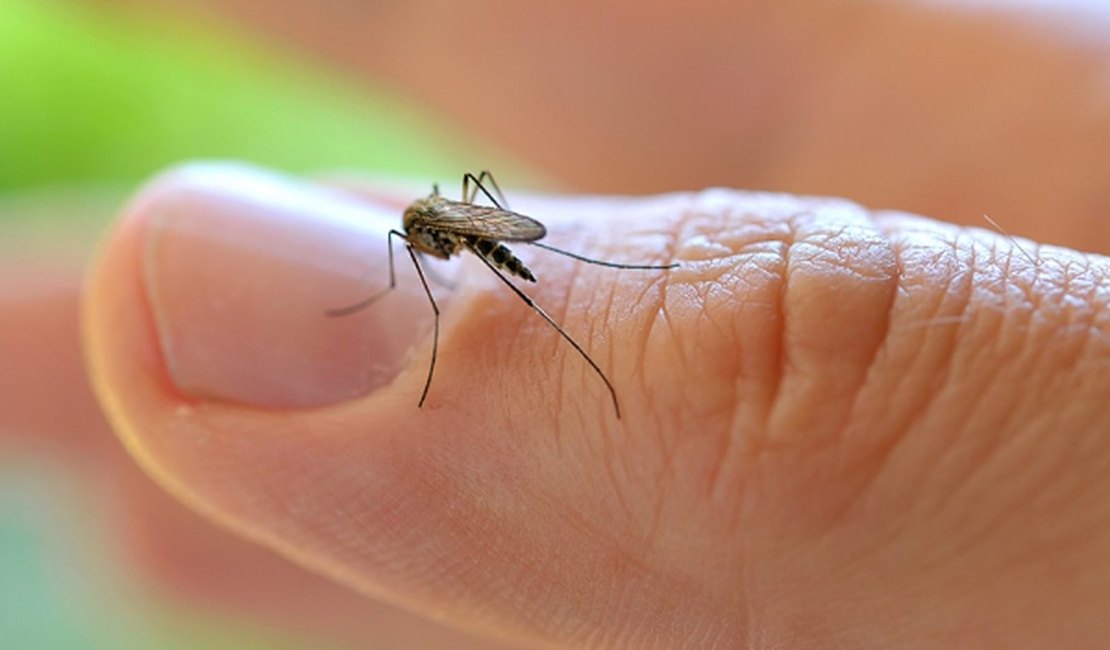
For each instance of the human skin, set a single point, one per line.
(840, 427)
(1056, 207)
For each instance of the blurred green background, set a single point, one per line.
(110, 97)
(92, 102)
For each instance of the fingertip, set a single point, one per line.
(238, 402)
(205, 331)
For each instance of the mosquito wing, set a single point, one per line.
(481, 221)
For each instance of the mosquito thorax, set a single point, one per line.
(418, 223)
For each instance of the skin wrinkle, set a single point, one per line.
(1002, 458)
(1009, 279)
(852, 499)
(972, 407)
(1030, 462)
(949, 367)
(652, 283)
(728, 278)
(1041, 336)
(587, 341)
(651, 407)
(897, 246)
(660, 416)
(656, 285)
(1097, 337)
(891, 294)
(1022, 315)
(782, 305)
(609, 457)
(659, 325)
(882, 338)
(1070, 278)
(732, 430)
(819, 253)
(758, 445)
(661, 411)
(543, 346)
(888, 446)
(739, 241)
(998, 285)
(668, 454)
(1091, 320)
(671, 248)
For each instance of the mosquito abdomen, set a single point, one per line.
(501, 257)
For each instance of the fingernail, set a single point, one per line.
(240, 268)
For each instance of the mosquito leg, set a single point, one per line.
(487, 174)
(550, 321)
(359, 306)
(469, 195)
(435, 336)
(612, 265)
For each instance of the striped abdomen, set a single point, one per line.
(500, 256)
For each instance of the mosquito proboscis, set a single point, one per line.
(441, 227)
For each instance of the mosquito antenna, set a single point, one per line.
(550, 321)
(613, 265)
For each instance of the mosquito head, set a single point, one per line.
(411, 212)
(419, 210)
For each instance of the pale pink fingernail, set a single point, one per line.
(241, 266)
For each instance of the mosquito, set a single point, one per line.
(441, 228)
